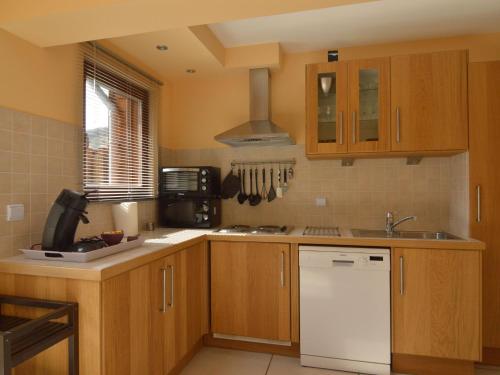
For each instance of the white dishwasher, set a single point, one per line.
(345, 308)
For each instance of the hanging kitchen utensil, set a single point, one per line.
(285, 180)
(279, 189)
(230, 185)
(264, 188)
(257, 198)
(242, 196)
(290, 172)
(272, 193)
(251, 197)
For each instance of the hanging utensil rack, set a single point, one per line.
(290, 162)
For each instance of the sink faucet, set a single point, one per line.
(390, 225)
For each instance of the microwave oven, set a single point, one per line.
(189, 212)
(190, 181)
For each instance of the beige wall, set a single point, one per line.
(39, 81)
(203, 108)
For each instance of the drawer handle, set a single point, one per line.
(354, 127)
(341, 128)
(478, 202)
(172, 288)
(401, 276)
(163, 308)
(346, 262)
(398, 125)
(282, 270)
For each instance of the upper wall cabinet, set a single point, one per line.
(369, 105)
(410, 104)
(326, 108)
(429, 102)
(347, 107)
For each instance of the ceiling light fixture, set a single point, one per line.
(161, 47)
(190, 71)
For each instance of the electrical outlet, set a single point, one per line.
(15, 212)
(320, 201)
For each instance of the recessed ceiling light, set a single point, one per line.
(190, 71)
(161, 47)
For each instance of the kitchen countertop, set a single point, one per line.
(164, 242)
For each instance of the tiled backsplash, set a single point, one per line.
(38, 158)
(357, 196)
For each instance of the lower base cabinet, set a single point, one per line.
(436, 296)
(250, 289)
(155, 315)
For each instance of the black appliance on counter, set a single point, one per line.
(63, 219)
(190, 197)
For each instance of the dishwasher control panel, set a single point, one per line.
(352, 257)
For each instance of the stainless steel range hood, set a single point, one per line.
(259, 131)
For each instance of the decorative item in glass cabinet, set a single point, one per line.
(326, 85)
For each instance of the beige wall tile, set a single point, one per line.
(39, 126)
(5, 140)
(38, 164)
(21, 123)
(20, 183)
(5, 183)
(21, 142)
(5, 161)
(55, 129)
(20, 162)
(6, 248)
(38, 184)
(38, 145)
(55, 166)
(55, 147)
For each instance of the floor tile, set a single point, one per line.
(291, 366)
(214, 361)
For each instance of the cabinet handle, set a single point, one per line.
(163, 308)
(341, 128)
(354, 127)
(478, 202)
(398, 125)
(282, 271)
(172, 288)
(401, 275)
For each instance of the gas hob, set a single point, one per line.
(261, 229)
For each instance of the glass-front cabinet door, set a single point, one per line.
(326, 108)
(369, 105)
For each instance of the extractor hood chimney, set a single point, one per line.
(259, 131)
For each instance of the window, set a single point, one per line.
(119, 153)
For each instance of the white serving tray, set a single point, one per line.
(83, 257)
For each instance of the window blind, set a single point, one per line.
(119, 146)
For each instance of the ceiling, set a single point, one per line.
(185, 51)
(56, 22)
(365, 23)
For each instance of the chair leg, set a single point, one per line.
(72, 356)
(5, 363)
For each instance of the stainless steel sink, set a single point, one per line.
(417, 235)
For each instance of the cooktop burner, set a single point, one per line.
(261, 229)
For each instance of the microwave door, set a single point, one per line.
(182, 213)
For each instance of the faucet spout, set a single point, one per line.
(390, 225)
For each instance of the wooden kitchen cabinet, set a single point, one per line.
(326, 106)
(429, 102)
(436, 297)
(369, 105)
(484, 158)
(347, 107)
(154, 316)
(250, 289)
